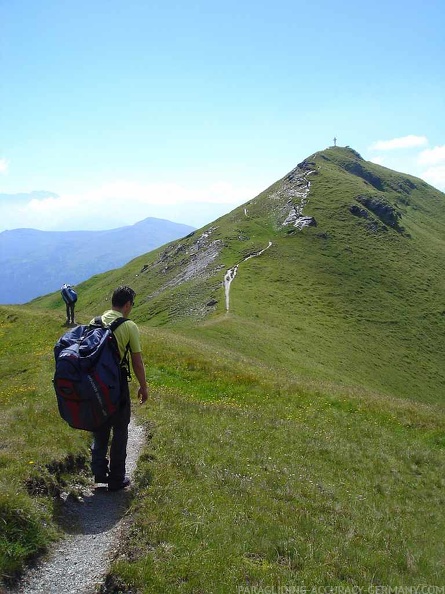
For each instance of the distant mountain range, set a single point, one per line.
(33, 263)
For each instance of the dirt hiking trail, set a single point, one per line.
(78, 563)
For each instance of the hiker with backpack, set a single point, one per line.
(69, 295)
(112, 472)
(91, 384)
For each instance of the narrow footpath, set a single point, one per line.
(232, 272)
(79, 562)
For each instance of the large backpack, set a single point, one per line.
(69, 294)
(89, 374)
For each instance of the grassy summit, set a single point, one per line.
(297, 438)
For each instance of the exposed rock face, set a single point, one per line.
(359, 212)
(380, 213)
(360, 171)
(305, 165)
(382, 209)
(302, 222)
(195, 260)
(295, 187)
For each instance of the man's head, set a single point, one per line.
(122, 295)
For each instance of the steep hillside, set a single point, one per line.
(347, 286)
(34, 263)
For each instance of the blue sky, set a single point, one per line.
(184, 110)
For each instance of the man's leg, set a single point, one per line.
(118, 448)
(99, 448)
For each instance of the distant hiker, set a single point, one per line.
(69, 295)
(112, 471)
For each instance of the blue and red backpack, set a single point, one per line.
(69, 295)
(89, 374)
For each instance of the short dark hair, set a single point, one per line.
(121, 295)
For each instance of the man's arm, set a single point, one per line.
(139, 371)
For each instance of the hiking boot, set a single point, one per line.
(118, 486)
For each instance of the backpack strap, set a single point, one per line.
(116, 322)
(125, 363)
(97, 321)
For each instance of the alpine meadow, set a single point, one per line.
(296, 428)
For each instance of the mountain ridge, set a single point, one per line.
(362, 284)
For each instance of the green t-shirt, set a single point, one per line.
(127, 333)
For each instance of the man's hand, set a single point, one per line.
(143, 394)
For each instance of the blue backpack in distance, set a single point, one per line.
(88, 374)
(69, 295)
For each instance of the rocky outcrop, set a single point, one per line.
(360, 171)
(295, 187)
(381, 208)
(303, 222)
(377, 210)
(188, 261)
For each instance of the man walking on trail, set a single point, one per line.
(112, 471)
(69, 295)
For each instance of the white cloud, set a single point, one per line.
(4, 164)
(124, 202)
(427, 163)
(123, 197)
(410, 141)
(377, 160)
(435, 159)
(435, 176)
(432, 156)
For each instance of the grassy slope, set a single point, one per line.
(338, 301)
(282, 450)
(255, 479)
(38, 452)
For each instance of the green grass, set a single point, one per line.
(252, 475)
(38, 452)
(262, 481)
(296, 440)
